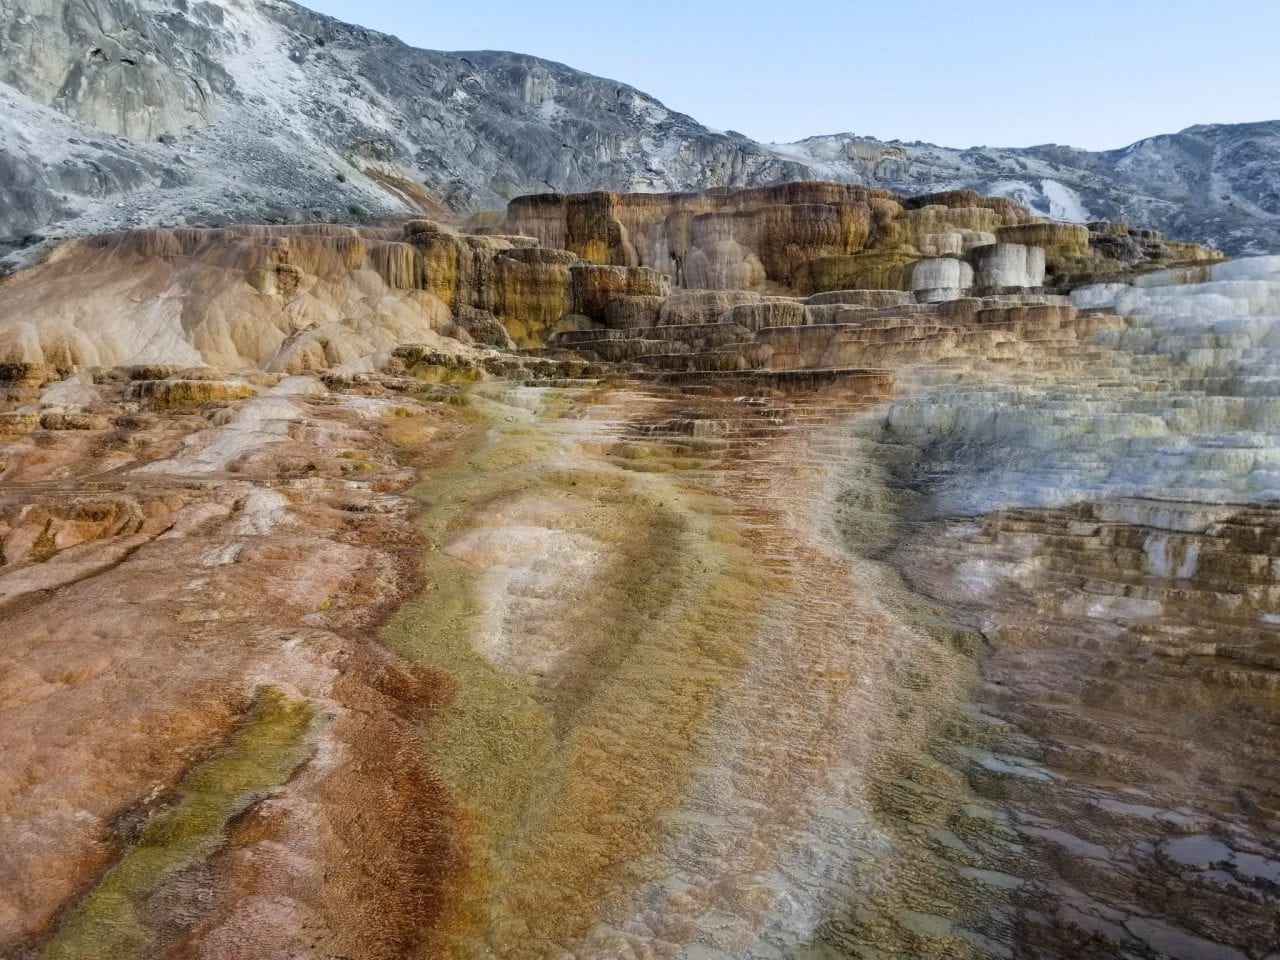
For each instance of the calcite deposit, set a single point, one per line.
(812, 237)
(802, 572)
(293, 299)
(318, 297)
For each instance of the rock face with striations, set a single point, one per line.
(329, 296)
(813, 237)
(297, 298)
(120, 113)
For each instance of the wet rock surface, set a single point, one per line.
(733, 623)
(163, 572)
(1105, 514)
(1144, 795)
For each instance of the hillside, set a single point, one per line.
(117, 113)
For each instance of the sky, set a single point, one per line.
(1087, 73)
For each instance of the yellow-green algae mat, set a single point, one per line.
(561, 790)
(110, 921)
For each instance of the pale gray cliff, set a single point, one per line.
(118, 112)
(1214, 183)
(135, 112)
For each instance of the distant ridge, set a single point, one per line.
(117, 113)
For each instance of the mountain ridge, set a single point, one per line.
(122, 113)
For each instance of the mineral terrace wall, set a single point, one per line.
(811, 237)
(789, 572)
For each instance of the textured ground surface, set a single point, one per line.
(190, 601)
(646, 694)
(845, 626)
(645, 700)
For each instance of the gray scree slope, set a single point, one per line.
(139, 112)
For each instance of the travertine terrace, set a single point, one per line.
(809, 238)
(799, 572)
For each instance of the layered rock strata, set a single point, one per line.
(318, 297)
(291, 299)
(812, 237)
(1106, 516)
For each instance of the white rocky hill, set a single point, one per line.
(118, 113)
(1213, 183)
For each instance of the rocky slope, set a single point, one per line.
(934, 618)
(241, 109)
(117, 113)
(306, 297)
(1214, 183)
(630, 672)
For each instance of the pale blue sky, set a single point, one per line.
(1089, 73)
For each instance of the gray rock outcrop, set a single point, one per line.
(122, 113)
